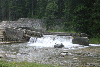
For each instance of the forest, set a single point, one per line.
(77, 15)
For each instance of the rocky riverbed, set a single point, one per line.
(64, 57)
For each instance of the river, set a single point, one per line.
(42, 50)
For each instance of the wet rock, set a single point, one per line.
(65, 51)
(81, 41)
(58, 45)
(74, 35)
(19, 28)
(34, 33)
(63, 54)
(1, 56)
(75, 58)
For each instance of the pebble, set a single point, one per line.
(75, 58)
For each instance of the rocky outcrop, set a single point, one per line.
(81, 41)
(14, 34)
(19, 34)
(27, 22)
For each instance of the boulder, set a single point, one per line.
(34, 33)
(63, 54)
(74, 35)
(58, 45)
(14, 34)
(81, 41)
(83, 35)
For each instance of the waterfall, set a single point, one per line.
(50, 40)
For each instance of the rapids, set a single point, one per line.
(51, 40)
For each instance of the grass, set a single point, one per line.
(94, 40)
(23, 64)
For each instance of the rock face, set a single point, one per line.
(81, 41)
(14, 34)
(19, 34)
(58, 45)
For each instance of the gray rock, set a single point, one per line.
(74, 35)
(63, 54)
(81, 41)
(14, 34)
(1, 56)
(83, 35)
(58, 45)
(65, 51)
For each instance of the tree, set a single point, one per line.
(50, 11)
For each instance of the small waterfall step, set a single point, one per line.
(58, 33)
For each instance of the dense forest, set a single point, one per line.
(77, 15)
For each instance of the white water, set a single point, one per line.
(50, 40)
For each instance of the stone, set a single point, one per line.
(58, 45)
(63, 54)
(34, 33)
(14, 34)
(75, 58)
(81, 41)
(74, 35)
(83, 35)
(1, 56)
(65, 51)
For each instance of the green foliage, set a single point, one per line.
(51, 9)
(23, 64)
(68, 26)
(77, 15)
(94, 40)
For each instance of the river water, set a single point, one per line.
(42, 50)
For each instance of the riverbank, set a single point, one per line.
(75, 57)
(23, 64)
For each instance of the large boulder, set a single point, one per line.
(13, 34)
(81, 41)
(58, 45)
